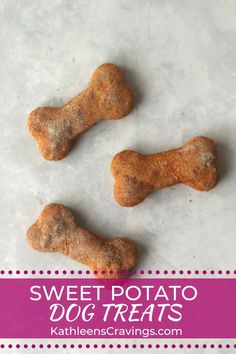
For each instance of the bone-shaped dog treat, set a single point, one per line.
(137, 175)
(56, 230)
(107, 97)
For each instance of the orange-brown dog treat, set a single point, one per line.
(56, 230)
(137, 175)
(107, 97)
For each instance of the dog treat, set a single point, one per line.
(107, 97)
(136, 175)
(56, 230)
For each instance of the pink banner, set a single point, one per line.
(131, 308)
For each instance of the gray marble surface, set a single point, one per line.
(180, 58)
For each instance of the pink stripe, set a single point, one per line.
(210, 315)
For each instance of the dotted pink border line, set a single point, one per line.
(122, 272)
(118, 346)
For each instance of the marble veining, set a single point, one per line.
(179, 56)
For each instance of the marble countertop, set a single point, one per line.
(179, 56)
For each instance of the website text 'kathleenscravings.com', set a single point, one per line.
(116, 332)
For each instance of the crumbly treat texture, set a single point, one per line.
(56, 230)
(136, 175)
(106, 97)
